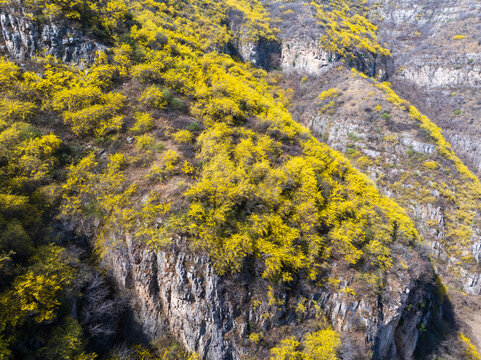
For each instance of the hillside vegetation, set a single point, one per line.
(348, 28)
(457, 179)
(167, 135)
(408, 157)
(259, 185)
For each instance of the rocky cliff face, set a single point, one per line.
(428, 71)
(304, 55)
(24, 38)
(178, 293)
(298, 49)
(263, 53)
(437, 53)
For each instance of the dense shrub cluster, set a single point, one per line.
(323, 344)
(34, 275)
(348, 29)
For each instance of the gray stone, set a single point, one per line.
(23, 39)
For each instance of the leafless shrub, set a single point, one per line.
(99, 312)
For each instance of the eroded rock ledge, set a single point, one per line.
(24, 38)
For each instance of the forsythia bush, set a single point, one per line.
(105, 14)
(348, 30)
(89, 111)
(470, 351)
(34, 276)
(143, 123)
(323, 344)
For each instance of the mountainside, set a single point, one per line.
(439, 64)
(206, 179)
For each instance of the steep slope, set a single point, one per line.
(229, 149)
(231, 227)
(274, 232)
(405, 154)
(437, 51)
(366, 120)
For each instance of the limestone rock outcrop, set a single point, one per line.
(178, 293)
(23, 38)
